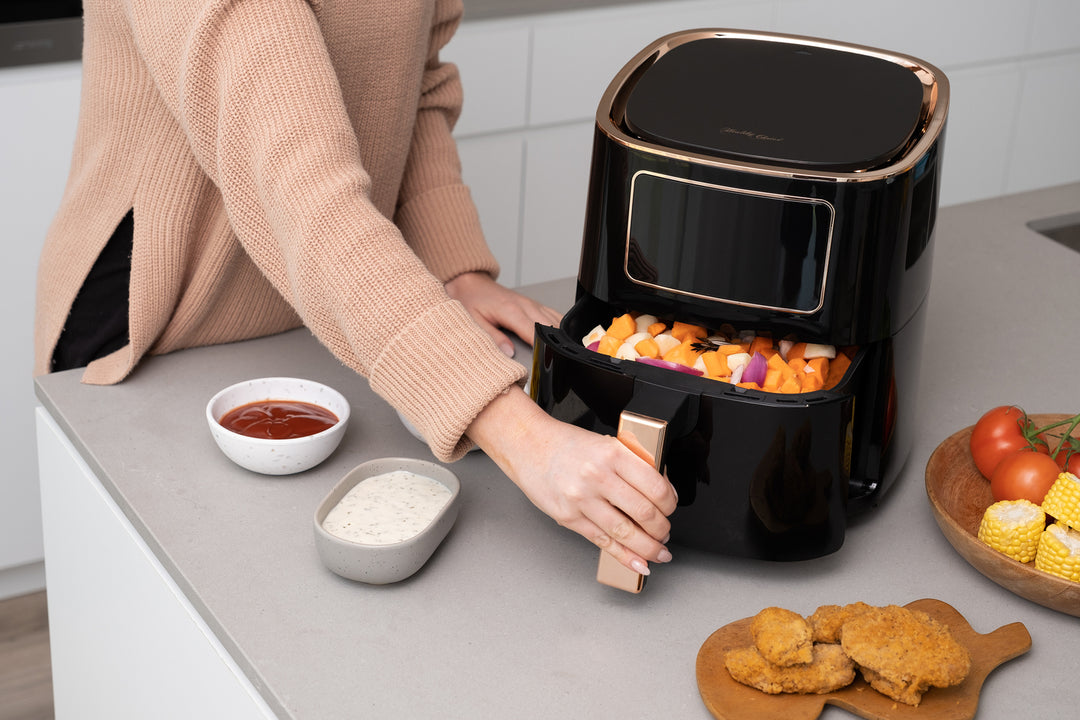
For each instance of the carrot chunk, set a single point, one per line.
(622, 327)
(686, 331)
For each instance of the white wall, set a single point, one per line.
(532, 85)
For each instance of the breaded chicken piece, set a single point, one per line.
(902, 653)
(782, 636)
(827, 620)
(829, 669)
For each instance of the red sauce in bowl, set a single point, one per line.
(278, 419)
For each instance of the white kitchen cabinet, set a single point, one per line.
(125, 640)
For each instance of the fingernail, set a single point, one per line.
(664, 556)
(640, 567)
(508, 350)
(666, 540)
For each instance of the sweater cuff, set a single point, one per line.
(441, 371)
(442, 227)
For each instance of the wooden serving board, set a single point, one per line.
(729, 700)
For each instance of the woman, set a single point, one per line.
(242, 168)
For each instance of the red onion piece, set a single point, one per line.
(594, 346)
(756, 369)
(668, 365)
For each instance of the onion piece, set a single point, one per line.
(594, 346)
(736, 374)
(756, 369)
(667, 364)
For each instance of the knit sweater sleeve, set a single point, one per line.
(435, 212)
(253, 89)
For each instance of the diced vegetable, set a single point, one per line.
(756, 369)
(1059, 552)
(666, 342)
(1013, 527)
(747, 358)
(816, 350)
(648, 348)
(609, 345)
(594, 335)
(685, 331)
(644, 322)
(716, 364)
(622, 327)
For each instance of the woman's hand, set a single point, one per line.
(587, 482)
(495, 308)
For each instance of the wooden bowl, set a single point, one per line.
(959, 495)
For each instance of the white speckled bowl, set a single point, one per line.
(382, 564)
(277, 457)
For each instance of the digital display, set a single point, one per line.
(734, 246)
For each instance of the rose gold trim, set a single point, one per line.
(740, 191)
(935, 105)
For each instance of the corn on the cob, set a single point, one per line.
(1013, 527)
(1059, 552)
(1062, 501)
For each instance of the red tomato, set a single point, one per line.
(997, 434)
(1026, 474)
(1065, 460)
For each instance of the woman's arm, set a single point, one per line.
(589, 483)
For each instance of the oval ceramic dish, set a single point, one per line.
(390, 563)
(959, 495)
(285, 456)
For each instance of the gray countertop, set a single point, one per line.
(506, 619)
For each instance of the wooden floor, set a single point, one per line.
(25, 669)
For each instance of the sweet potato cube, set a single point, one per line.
(683, 354)
(648, 348)
(791, 385)
(716, 364)
(609, 345)
(686, 331)
(797, 351)
(622, 327)
(819, 365)
(772, 380)
(656, 328)
(762, 344)
(837, 368)
(812, 381)
(731, 349)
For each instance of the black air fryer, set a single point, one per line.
(778, 184)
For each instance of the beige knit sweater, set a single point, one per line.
(288, 163)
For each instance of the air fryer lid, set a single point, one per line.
(778, 103)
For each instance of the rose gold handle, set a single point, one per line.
(645, 437)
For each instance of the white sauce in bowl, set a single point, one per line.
(388, 508)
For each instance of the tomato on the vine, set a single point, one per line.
(998, 433)
(1068, 457)
(1024, 475)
